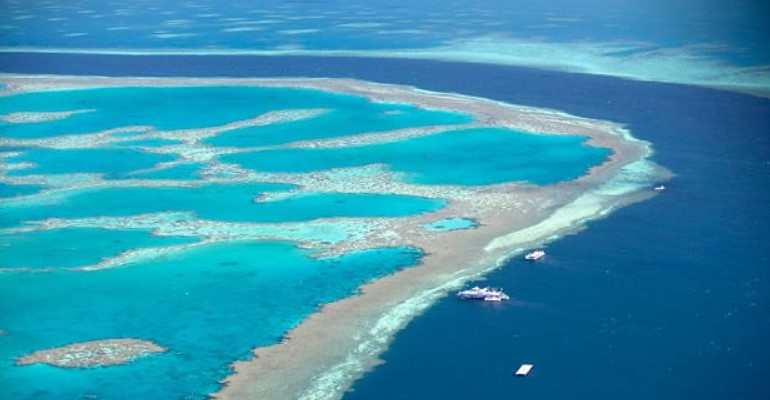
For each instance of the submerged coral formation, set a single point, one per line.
(96, 353)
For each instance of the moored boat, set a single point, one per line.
(535, 255)
(473, 293)
(485, 293)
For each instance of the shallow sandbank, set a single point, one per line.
(96, 353)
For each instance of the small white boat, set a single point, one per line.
(659, 188)
(535, 255)
(524, 370)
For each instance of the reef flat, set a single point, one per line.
(96, 353)
(536, 175)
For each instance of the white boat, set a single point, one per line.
(485, 293)
(474, 293)
(659, 188)
(535, 255)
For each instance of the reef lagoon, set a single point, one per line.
(196, 220)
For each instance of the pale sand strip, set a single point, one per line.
(37, 117)
(321, 357)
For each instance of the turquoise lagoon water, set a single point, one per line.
(147, 143)
(356, 117)
(171, 108)
(451, 224)
(462, 157)
(114, 163)
(231, 203)
(7, 190)
(209, 306)
(83, 247)
(181, 172)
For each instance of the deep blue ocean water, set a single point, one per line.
(735, 30)
(666, 299)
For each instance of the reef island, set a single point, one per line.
(97, 353)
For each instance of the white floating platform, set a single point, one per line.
(524, 370)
